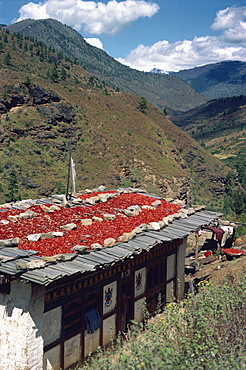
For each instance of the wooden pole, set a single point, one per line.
(68, 175)
(196, 250)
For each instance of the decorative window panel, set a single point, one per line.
(52, 325)
(139, 281)
(109, 297)
(171, 260)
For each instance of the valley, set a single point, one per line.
(52, 106)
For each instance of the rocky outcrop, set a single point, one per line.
(22, 94)
(41, 96)
(53, 113)
(190, 156)
(3, 108)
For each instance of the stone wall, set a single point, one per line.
(21, 327)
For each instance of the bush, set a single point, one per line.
(204, 332)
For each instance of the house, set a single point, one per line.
(65, 290)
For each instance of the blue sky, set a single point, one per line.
(166, 34)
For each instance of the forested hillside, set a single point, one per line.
(50, 106)
(220, 127)
(217, 80)
(162, 91)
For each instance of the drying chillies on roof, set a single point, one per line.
(99, 216)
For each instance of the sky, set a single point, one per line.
(170, 35)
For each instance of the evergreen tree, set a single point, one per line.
(165, 112)
(142, 105)
(12, 185)
(7, 59)
(63, 74)
(28, 81)
(91, 81)
(53, 75)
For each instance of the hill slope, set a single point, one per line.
(217, 80)
(162, 91)
(220, 125)
(49, 107)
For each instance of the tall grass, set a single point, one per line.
(207, 331)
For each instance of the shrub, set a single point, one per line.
(204, 332)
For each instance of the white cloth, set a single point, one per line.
(228, 231)
(73, 172)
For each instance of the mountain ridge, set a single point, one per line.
(216, 80)
(164, 91)
(220, 126)
(49, 106)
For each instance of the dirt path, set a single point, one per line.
(233, 267)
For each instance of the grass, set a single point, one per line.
(202, 332)
(107, 133)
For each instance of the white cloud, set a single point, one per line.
(94, 42)
(232, 21)
(94, 18)
(229, 45)
(229, 17)
(108, 19)
(33, 11)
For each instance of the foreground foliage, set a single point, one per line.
(205, 332)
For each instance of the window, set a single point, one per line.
(92, 315)
(92, 320)
(156, 275)
(162, 272)
(150, 278)
(73, 317)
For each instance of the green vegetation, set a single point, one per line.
(55, 104)
(216, 80)
(12, 186)
(53, 74)
(160, 90)
(241, 230)
(7, 59)
(219, 126)
(206, 331)
(142, 105)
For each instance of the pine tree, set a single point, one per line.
(53, 75)
(63, 74)
(12, 185)
(7, 59)
(142, 105)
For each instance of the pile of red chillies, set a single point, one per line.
(82, 235)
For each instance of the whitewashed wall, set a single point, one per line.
(109, 329)
(171, 266)
(72, 350)
(52, 325)
(91, 342)
(170, 292)
(21, 327)
(52, 359)
(138, 310)
(180, 270)
(51, 332)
